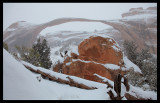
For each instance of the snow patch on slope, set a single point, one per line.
(136, 91)
(25, 24)
(20, 83)
(10, 29)
(75, 26)
(129, 64)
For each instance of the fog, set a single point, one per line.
(38, 13)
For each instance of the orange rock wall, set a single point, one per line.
(100, 50)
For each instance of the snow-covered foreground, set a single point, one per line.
(21, 84)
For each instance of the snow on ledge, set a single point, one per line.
(108, 66)
(65, 77)
(104, 79)
(129, 64)
(112, 66)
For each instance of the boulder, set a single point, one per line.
(100, 50)
(86, 70)
(94, 52)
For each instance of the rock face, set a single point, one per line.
(133, 11)
(137, 11)
(94, 53)
(100, 50)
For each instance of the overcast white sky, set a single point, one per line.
(43, 12)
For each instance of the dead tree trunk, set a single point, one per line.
(126, 83)
(111, 95)
(61, 54)
(109, 85)
(117, 85)
(70, 81)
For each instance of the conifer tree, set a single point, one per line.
(38, 55)
(44, 52)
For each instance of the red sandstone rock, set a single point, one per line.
(86, 70)
(100, 50)
(74, 56)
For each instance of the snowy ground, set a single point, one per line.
(21, 84)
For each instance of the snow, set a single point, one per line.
(146, 86)
(25, 24)
(21, 84)
(54, 58)
(112, 66)
(57, 75)
(10, 36)
(136, 91)
(75, 26)
(83, 61)
(115, 48)
(73, 49)
(140, 16)
(149, 43)
(10, 29)
(104, 44)
(108, 66)
(11, 41)
(96, 34)
(104, 79)
(64, 77)
(68, 32)
(68, 63)
(129, 64)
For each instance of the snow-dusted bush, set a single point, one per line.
(142, 59)
(149, 70)
(5, 46)
(130, 50)
(135, 78)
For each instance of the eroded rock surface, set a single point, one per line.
(94, 53)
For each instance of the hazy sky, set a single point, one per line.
(43, 12)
